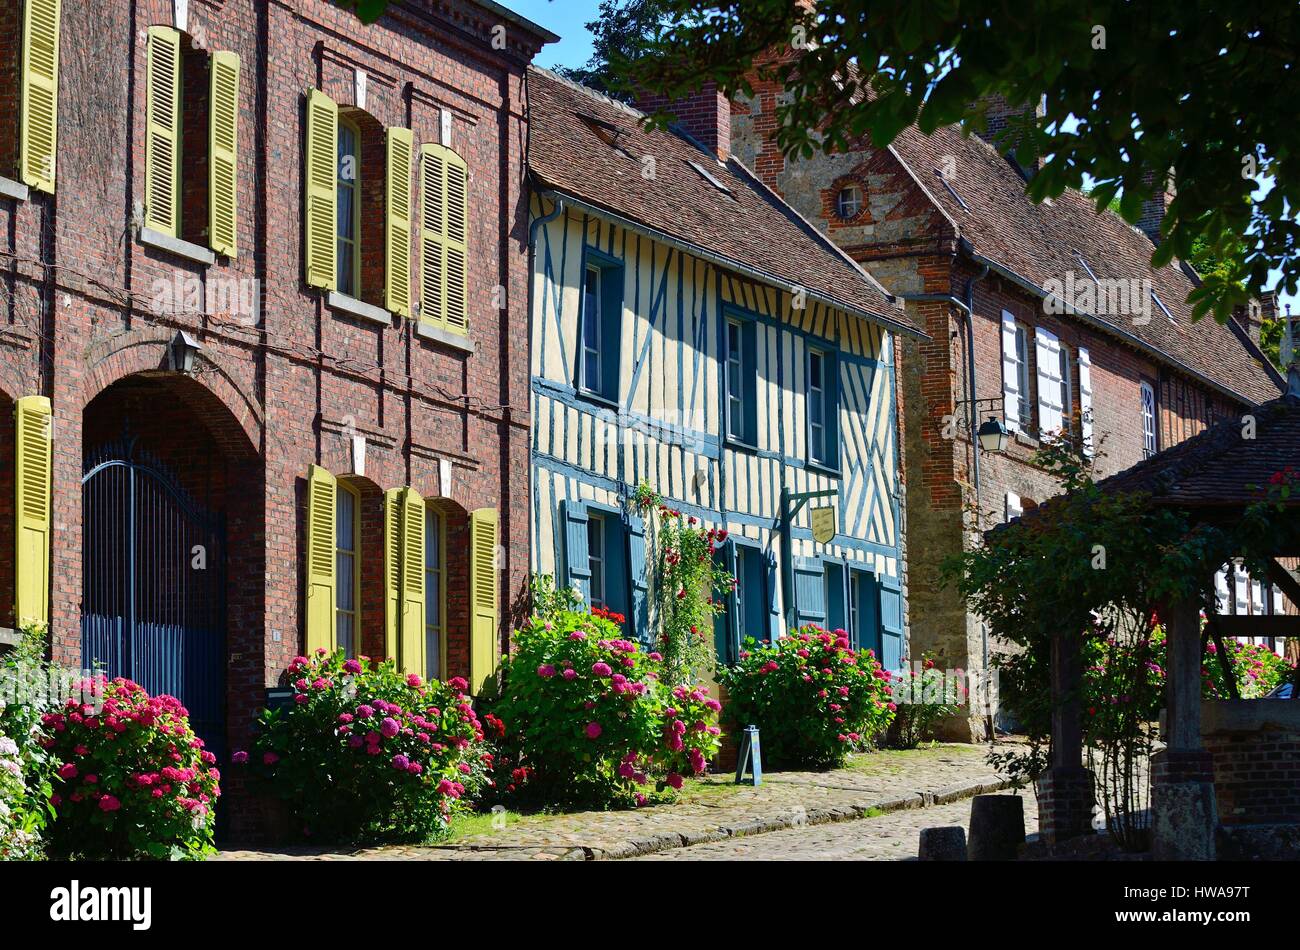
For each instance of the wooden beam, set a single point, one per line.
(1183, 679)
(1284, 579)
(1243, 625)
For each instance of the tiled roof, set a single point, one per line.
(988, 206)
(741, 223)
(1221, 467)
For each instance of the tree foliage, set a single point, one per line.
(1130, 92)
(618, 36)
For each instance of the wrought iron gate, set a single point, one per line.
(153, 606)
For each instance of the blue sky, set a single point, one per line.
(568, 18)
(565, 17)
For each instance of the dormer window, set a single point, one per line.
(710, 178)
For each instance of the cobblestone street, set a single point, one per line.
(890, 837)
(912, 789)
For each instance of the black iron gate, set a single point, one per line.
(153, 608)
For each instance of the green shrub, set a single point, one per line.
(813, 698)
(588, 720)
(924, 698)
(365, 753)
(26, 768)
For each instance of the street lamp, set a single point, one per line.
(993, 435)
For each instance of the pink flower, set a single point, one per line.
(68, 771)
(570, 674)
(352, 666)
(270, 758)
(593, 730)
(413, 680)
(365, 712)
(401, 762)
(601, 669)
(109, 803)
(546, 671)
(674, 780)
(389, 727)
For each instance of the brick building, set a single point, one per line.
(263, 315)
(1070, 331)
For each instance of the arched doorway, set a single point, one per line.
(172, 576)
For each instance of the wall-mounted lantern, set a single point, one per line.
(993, 435)
(182, 351)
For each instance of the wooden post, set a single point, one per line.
(1065, 793)
(1067, 711)
(1183, 684)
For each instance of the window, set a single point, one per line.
(1150, 441)
(823, 409)
(347, 581)
(1067, 391)
(1022, 377)
(191, 141)
(848, 203)
(735, 382)
(741, 381)
(596, 559)
(591, 375)
(434, 588)
(600, 325)
(347, 226)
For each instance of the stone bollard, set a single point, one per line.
(946, 843)
(997, 827)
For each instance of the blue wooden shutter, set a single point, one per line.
(639, 577)
(726, 626)
(611, 330)
(577, 573)
(891, 623)
(809, 592)
(775, 620)
(837, 605)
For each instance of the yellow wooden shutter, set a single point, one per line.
(483, 599)
(322, 489)
(223, 158)
(397, 273)
(457, 317)
(412, 659)
(32, 475)
(163, 140)
(39, 118)
(433, 219)
(392, 571)
(321, 176)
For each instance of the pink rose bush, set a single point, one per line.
(365, 752)
(588, 719)
(131, 778)
(813, 698)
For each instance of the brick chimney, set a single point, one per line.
(1253, 316)
(704, 115)
(1154, 208)
(998, 116)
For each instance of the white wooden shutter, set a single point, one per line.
(1050, 398)
(1014, 510)
(1279, 603)
(1010, 373)
(1239, 584)
(1256, 598)
(1085, 400)
(1221, 591)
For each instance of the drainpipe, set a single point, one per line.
(969, 320)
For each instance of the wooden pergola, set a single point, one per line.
(1215, 477)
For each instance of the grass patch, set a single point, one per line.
(478, 823)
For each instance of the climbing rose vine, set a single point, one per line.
(132, 781)
(364, 752)
(813, 698)
(588, 718)
(689, 586)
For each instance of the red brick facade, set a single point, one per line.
(87, 308)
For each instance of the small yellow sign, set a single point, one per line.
(823, 524)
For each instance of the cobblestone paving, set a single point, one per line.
(714, 811)
(890, 837)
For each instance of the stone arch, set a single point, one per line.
(144, 351)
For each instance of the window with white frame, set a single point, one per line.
(1067, 390)
(596, 558)
(592, 377)
(735, 381)
(1022, 376)
(817, 406)
(1150, 442)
